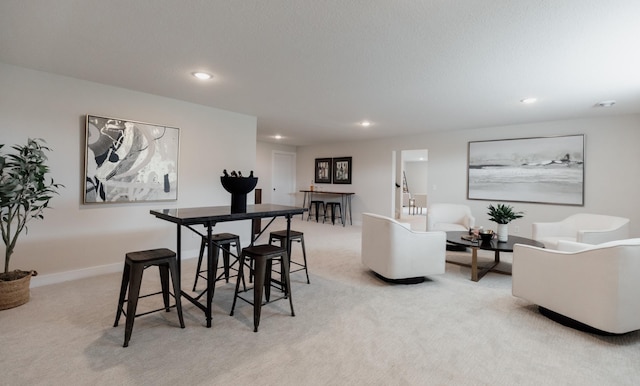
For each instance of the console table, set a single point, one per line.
(345, 199)
(209, 217)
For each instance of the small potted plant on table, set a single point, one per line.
(503, 214)
(24, 194)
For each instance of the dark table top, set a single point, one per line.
(493, 245)
(185, 216)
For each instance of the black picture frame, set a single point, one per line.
(342, 170)
(543, 170)
(323, 171)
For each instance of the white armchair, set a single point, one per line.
(396, 253)
(583, 228)
(449, 217)
(596, 285)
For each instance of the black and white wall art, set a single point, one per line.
(342, 170)
(129, 161)
(542, 170)
(323, 171)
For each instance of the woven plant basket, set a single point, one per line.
(15, 293)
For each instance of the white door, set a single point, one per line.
(283, 178)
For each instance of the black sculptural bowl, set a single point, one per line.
(486, 236)
(239, 185)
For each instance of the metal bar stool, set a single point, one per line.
(134, 265)
(332, 206)
(262, 256)
(316, 204)
(281, 236)
(222, 241)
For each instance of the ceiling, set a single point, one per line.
(311, 70)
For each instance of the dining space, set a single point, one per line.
(259, 260)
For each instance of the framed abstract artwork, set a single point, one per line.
(548, 170)
(323, 171)
(129, 161)
(342, 170)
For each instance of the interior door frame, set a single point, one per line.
(274, 173)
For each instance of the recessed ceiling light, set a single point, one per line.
(365, 123)
(528, 100)
(606, 103)
(202, 75)
(277, 136)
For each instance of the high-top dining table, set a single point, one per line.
(209, 217)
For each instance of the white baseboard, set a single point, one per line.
(61, 277)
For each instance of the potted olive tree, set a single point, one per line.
(24, 195)
(503, 214)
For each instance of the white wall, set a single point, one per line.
(416, 172)
(611, 184)
(80, 240)
(373, 174)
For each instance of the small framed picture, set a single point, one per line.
(342, 170)
(323, 171)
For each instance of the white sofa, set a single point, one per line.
(583, 228)
(449, 217)
(395, 252)
(596, 285)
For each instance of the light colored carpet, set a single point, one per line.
(350, 329)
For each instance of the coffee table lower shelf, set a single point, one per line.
(478, 271)
(460, 239)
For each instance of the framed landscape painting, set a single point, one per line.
(546, 170)
(342, 170)
(129, 161)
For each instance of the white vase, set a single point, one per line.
(503, 233)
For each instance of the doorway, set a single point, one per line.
(283, 179)
(414, 199)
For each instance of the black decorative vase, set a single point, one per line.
(239, 187)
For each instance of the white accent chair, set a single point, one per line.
(396, 253)
(596, 285)
(583, 228)
(449, 217)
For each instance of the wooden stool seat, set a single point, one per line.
(262, 256)
(296, 236)
(134, 265)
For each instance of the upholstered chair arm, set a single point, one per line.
(422, 248)
(541, 230)
(572, 246)
(604, 235)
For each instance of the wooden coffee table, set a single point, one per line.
(494, 245)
